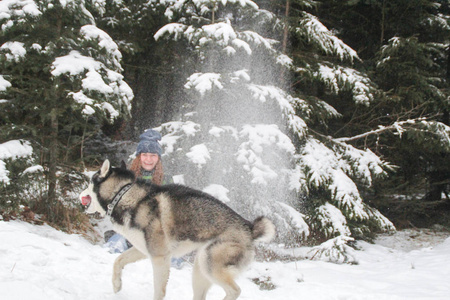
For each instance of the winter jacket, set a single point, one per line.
(148, 175)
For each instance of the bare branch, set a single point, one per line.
(397, 126)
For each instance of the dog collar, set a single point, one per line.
(117, 198)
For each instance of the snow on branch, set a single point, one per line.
(284, 60)
(286, 103)
(221, 34)
(336, 170)
(92, 32)
(363, 164)
(173, 29)
(346, 195)
(73, 64)
(437, 21)
(199, 155)
(382, 222)
(111, 87)
(202, 7)
(218, 131)
(203, 82)
(240, 75)
(250, 153)
(218, 191)
(330, 220)
(15, 149)
(297, 125)
(257, 39)
(14, 51)
(335, 250)
(12, 150)
(11, 10)
(297, 180)
(297, 219)
(242, 3)
(4, 84)
(318, 34)
(439, 130)
(319, 162)
(347, 79)
(3, 173)
(397, 126)
(174, 131)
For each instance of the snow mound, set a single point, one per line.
(39, 262)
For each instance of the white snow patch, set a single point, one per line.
(41, 263)
(250, 153)
(33, 169)
(4, 84)
(218, 191)
(15, 148)
(298, 219)
(12, 150)
(174, 131)
(204, 82)
(14, 51)
(199, 155)
(92, 32)
(73, 63)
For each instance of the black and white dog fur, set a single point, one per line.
(173, 220)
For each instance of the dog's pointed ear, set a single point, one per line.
(105, 168)
(123, 165)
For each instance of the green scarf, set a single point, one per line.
(147, 175)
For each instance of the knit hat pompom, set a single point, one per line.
(148, 142)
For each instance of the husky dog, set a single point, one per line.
(173, 220)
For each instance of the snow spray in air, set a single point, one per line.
(234, 144)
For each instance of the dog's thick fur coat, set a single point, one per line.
(173, 220)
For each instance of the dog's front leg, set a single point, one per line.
(129, 256)
(161, 270)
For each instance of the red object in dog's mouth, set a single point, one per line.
(86, 200)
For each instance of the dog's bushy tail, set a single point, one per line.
(263, 230)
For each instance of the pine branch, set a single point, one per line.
(397, 126)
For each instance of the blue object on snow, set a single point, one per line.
(177, 263)
(117, 244)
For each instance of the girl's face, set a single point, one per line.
(149, 160)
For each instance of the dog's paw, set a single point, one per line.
(117, 284)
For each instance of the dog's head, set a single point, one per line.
(103, 186)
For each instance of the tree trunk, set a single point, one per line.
(437, 183)
(285, 38)
(383, 20)
(53, 147)
(53, 159)
(448, 62)
(286, 27)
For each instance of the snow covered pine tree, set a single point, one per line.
(247, 139)
(57, 69)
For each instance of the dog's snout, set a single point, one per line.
(86, 200)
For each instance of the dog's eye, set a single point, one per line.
(95, 179)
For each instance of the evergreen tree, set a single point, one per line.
(61, 71)
(411, 66)
(156, 74)
(405, 47)
(250, 141)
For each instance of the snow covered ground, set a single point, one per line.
(39, 262)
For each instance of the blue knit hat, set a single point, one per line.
(148, 142)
